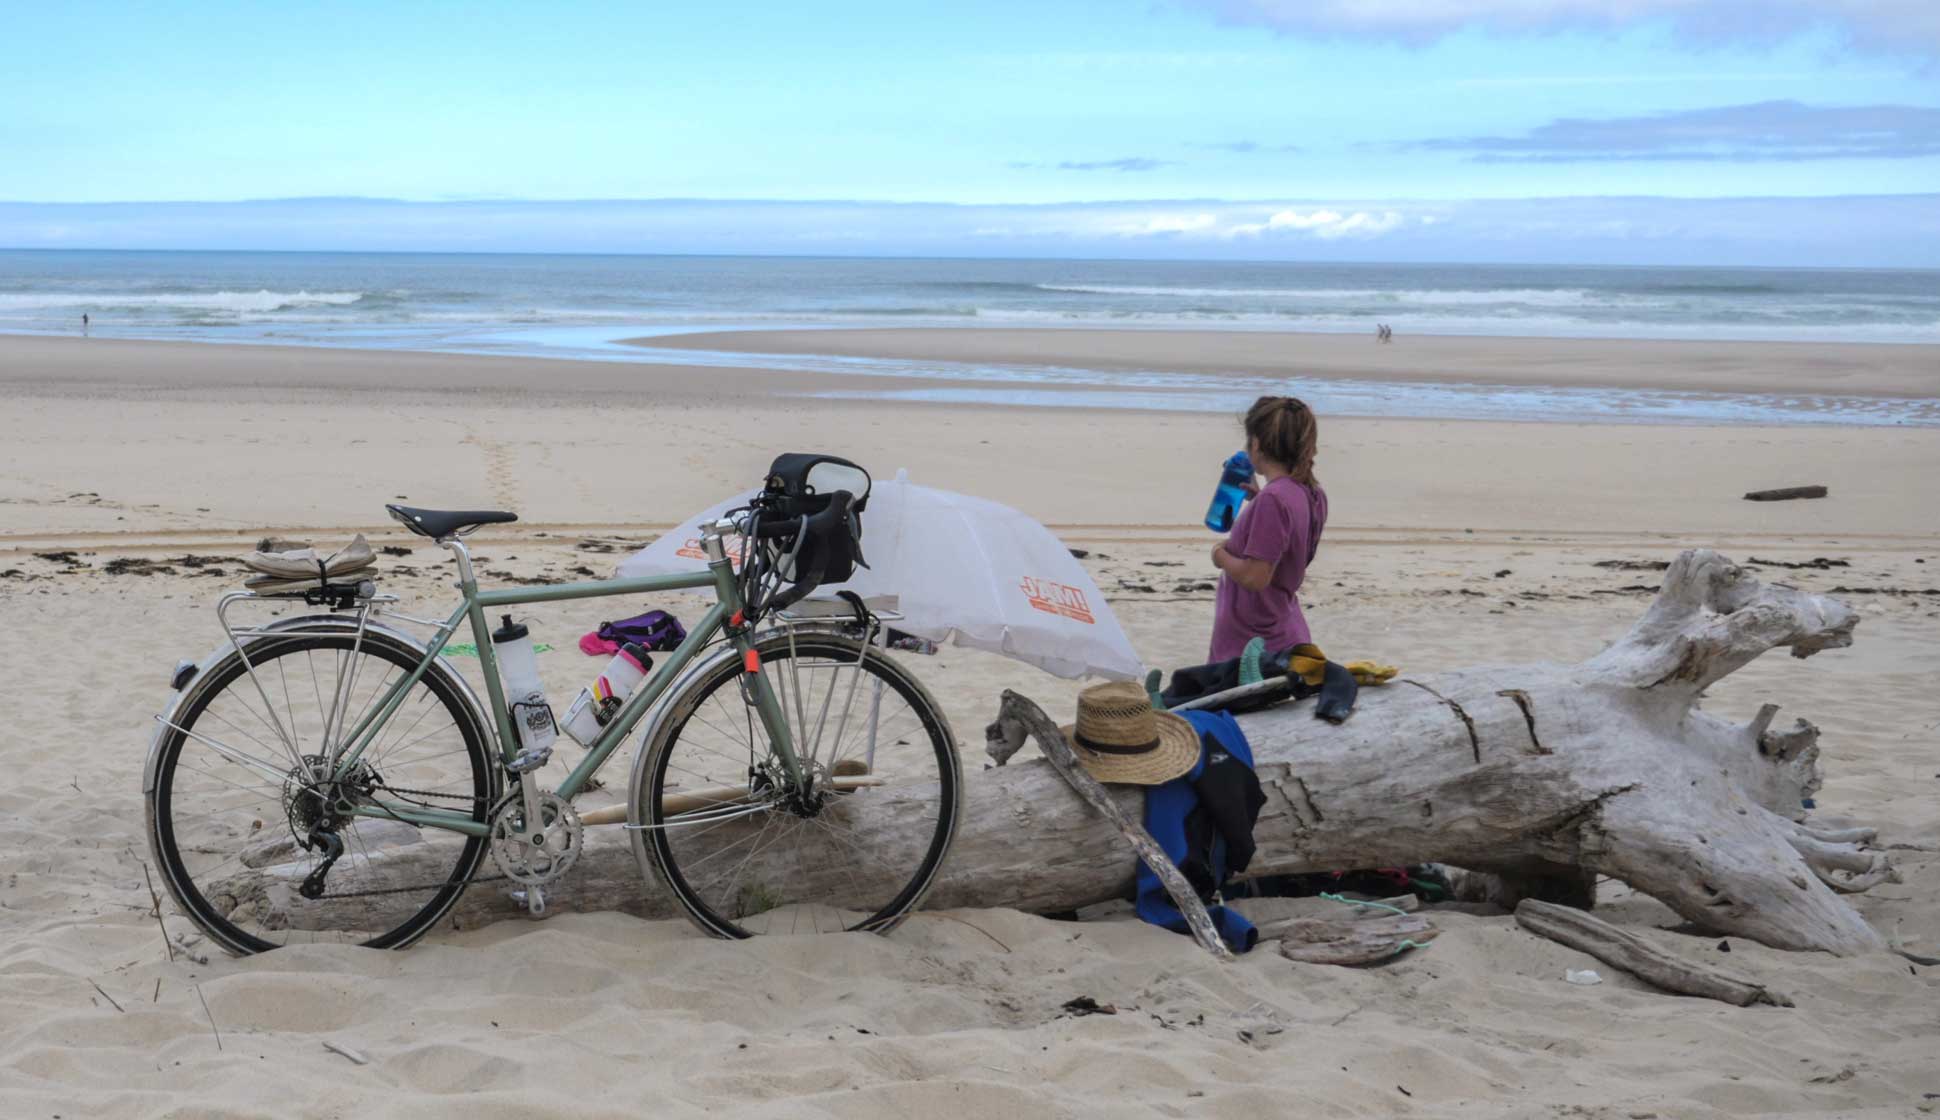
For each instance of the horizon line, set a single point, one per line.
(960, 257)
(783, 201)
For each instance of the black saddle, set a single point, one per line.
(440, 523)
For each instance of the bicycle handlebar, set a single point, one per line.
(836, 512)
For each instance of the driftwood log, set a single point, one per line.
(1605, 767)
(1621, 948)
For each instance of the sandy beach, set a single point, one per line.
(1450, 544)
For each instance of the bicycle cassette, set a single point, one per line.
(536, 855)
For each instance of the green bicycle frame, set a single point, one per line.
(475, 604)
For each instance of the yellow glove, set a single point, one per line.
(1371, 672)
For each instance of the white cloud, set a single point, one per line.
(1901, 27)
(1328, 225)
(1168, 224)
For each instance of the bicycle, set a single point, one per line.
(287, 794)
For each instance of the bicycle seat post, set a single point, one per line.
(465, 577)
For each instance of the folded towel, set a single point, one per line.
(306, 564)
(271, 585)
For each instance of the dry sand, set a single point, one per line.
(1451, 545)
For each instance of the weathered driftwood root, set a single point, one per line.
(1607, 767)
(1623, 949)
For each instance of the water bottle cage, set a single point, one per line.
(527, 714)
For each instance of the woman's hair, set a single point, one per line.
(1284, 428)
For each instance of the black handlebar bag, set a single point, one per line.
(817, 500)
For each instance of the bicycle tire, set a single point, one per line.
(170, 802)
(669, 852)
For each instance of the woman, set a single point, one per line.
(1275, 536)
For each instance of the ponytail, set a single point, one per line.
(1286, 432)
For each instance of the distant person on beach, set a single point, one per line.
(84, 322)
(1275, 536)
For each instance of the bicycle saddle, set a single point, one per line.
(439, 523)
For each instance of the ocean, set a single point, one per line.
(577, 306)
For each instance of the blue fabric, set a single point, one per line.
(1166, 809)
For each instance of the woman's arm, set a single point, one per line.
(1253, 575)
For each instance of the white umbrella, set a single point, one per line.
(962, 569)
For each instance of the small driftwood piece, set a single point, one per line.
(1019, 717)
(1353, 940)
(1786, 494)
(1620, 948)
(355, 1057)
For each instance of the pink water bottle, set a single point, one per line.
(596, 704)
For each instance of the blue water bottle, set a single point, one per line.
(1232, 491)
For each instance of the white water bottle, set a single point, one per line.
(518, 667)
(597, 703)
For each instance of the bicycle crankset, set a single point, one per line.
(535, 853)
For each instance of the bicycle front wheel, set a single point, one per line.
(743, 850)
(242, 801)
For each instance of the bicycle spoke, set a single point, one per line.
(803, 866)
(235, 849)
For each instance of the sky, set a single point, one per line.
(1222, 127)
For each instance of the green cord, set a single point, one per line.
(1358, 902)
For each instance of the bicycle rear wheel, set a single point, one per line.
(716, 822)
(237, 799)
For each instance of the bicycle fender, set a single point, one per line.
(193, 685)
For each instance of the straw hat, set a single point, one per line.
(1119, 738)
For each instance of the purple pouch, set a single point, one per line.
(656, 630)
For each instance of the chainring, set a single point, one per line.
(561, 836)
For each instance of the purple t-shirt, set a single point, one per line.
(1281, 526)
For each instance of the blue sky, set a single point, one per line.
(1348, 107)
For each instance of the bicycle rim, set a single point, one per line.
(234, 804)
(744, 856)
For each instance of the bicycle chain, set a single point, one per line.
(434, 793)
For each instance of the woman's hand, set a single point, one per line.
(1253, 575)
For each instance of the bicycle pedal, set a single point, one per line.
(530, 758)
(533, 899)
